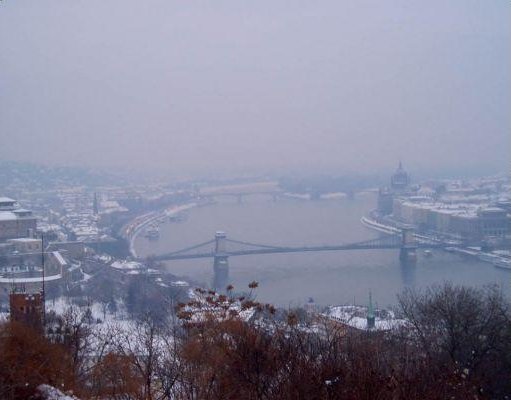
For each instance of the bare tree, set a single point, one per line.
(464, 332)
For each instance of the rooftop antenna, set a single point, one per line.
(370, 313)
(43, 294)
(95, 208)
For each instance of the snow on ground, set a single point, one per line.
(61, 305)
(51, 393)
(179, 283)
(104, 257)
(127, 265)
(86, 277)
(333, 196)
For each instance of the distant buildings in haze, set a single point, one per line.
(474, 212)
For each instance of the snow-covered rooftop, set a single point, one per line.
(59, 258)
(127, 265)
(12, 215)
(355, 316)
(21, 210)
(24, 240)
(32, 279)
(8, 216)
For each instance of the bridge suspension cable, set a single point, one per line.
(174, 253)
(392, 238)
(263, 246)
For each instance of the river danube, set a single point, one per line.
(328, 277)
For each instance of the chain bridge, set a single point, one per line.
(221, 248)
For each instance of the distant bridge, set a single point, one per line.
(274, 194)
(220, 249)
(239, 195)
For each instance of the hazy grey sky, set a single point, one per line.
(254, 85)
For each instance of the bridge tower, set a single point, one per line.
(220, 262)
(408, 252)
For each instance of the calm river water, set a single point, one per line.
(328, 277)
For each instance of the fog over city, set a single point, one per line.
(260, 199)
(194, 87)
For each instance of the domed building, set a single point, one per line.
(399, 183)
(400, 179)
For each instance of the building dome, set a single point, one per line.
(400, 179)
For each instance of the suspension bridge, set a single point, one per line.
(221, 248)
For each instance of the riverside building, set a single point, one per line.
(473, 217)
(475, 212)
(465, 221)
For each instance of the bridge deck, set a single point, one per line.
(281, 250)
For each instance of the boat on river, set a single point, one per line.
(488, 257)
(502, 262)
(178, 217)
(152, 232)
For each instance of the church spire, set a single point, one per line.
(400, 179)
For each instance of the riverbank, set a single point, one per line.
(370, 223)
(132, 229)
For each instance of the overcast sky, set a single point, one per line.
(256, 85)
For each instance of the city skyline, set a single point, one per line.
(262, 199)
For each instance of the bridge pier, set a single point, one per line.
(408, 272)
(220, 273)
(240, 199)
(408, 252)
(220, 263)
